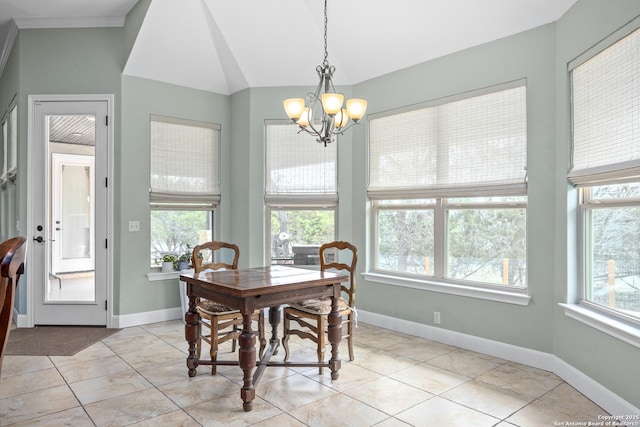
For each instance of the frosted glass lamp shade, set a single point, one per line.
(332, 103)
(342, 118)
(356, 108)
(304, 118)
(294, 108)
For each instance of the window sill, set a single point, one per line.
(606, 324)
(154, 276)
(453, 289)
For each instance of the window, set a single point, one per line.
(184, 185)
(447, 182)
(300, 194)
(606, 170)
(612, 261)
(9, 152)
(12, 144)
(4, 153)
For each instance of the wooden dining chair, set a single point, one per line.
(218, 323)
(12, 254)
(312, 315)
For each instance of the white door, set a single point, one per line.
(69, 164)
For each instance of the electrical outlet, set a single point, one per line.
(436, 317)
(134, 225)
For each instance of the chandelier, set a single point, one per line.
(325, 118)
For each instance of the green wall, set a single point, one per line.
(140, 98)
(541, 56)
(531, 56)
(57, 61)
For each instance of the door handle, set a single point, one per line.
(39, 239)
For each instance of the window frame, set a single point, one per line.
(586, 205)
(439, 281)
(4, 151)
(12, 144)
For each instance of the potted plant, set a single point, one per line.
(184, 260)
(169, 262)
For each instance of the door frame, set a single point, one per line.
(31, 146)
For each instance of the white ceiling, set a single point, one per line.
(224, 46)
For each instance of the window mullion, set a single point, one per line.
(440, 226)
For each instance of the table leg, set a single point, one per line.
(335, 334)
(192, 334)
(247, 361)
(274, 321)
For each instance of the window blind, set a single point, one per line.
(466, 147)
(184, 161)
(297, 167)
(606, 115)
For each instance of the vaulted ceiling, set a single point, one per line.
(224, 46)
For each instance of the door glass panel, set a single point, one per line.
(72, 209)
(75, 212)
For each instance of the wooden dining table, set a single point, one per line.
(258, 288)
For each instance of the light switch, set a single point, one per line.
(134, 225)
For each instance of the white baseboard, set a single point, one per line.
(136, 319)
(20, 319)
(599, 394)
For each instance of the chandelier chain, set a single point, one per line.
(325, 33)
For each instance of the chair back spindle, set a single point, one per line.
(337, 248)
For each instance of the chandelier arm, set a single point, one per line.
(343, 130)
(304, 129)
(315, 131)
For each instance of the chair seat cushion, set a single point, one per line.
(320, 305)
(211, 307)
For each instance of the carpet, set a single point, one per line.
(54, 340)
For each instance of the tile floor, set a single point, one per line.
(138, 377)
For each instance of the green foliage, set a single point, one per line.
(175, 232)
(406, 239)
(477, 242)
(305, 227)
(172, 259)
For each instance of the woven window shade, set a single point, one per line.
(606, 115)
(467, 147)
(184, 161)
(297, 166)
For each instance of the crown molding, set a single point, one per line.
(83, 22)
